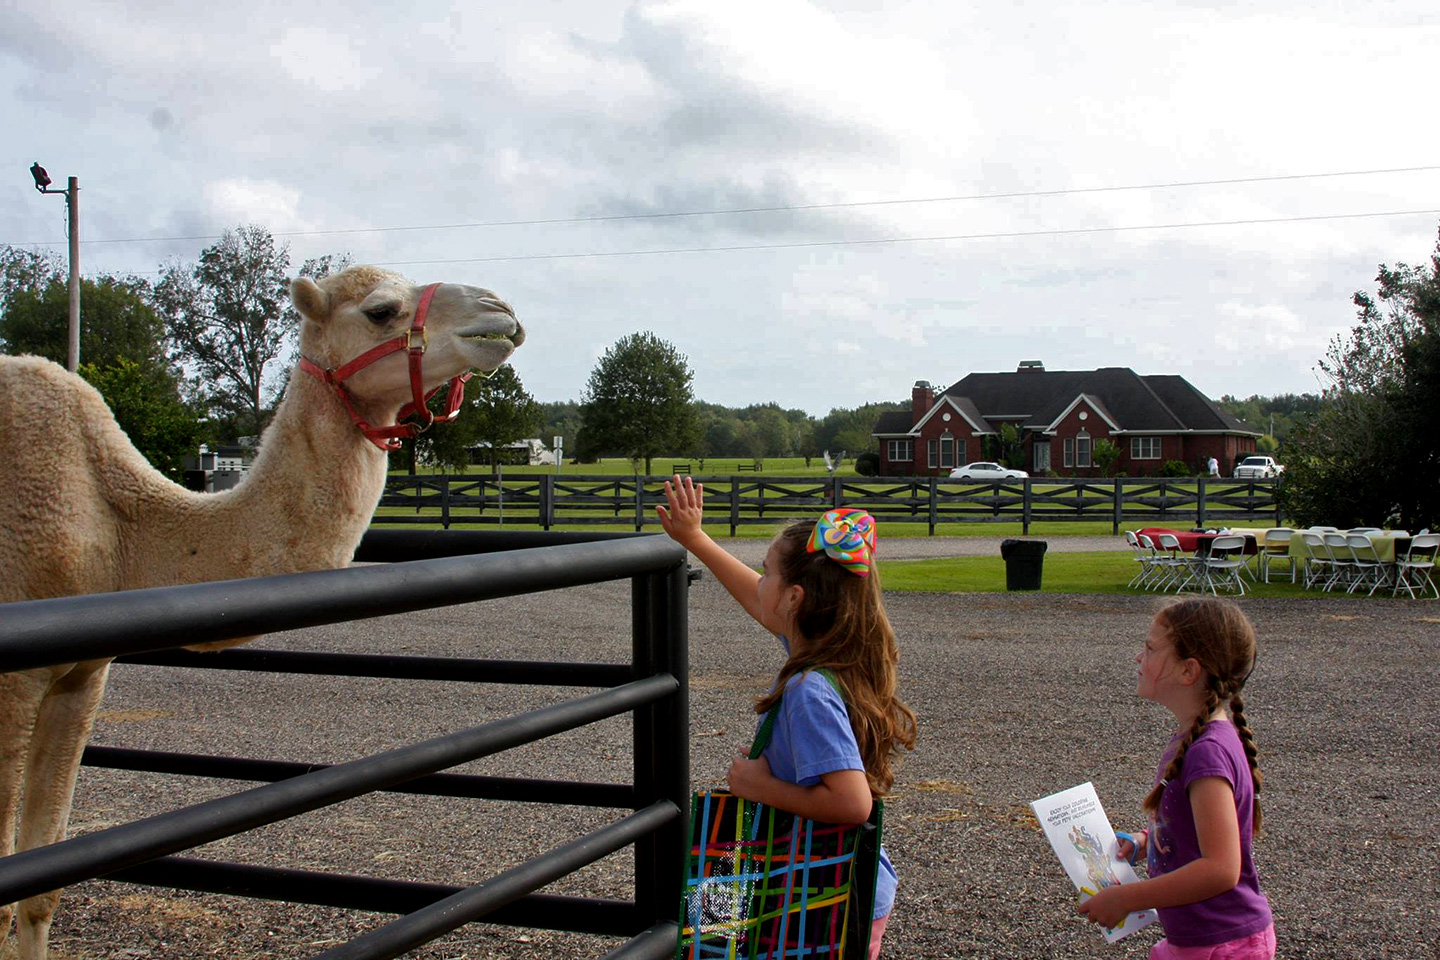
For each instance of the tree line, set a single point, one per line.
(203, 354)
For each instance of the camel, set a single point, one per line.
(85, 513)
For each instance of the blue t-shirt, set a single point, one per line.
(812, 737)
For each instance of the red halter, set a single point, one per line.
(388, 438)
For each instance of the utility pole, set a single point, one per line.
(72, 228)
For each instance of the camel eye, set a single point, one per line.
(382, 314)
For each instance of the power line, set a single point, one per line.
(884, 240)
(1071, 191)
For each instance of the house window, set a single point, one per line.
(932, 450)
(1069, 451)
(1082, 450)
(901, 451)
(1144, 448)
(947, 451)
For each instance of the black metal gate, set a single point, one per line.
(413, 570)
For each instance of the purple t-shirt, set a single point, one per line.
(1238, 912)
(813, 736)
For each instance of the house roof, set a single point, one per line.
(1038, 398)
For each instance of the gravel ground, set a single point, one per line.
(1018, 695)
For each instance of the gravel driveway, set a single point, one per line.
(1019, 695)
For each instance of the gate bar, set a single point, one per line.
(61, 864)
(542, 911)
(581, 793)
(41, 633)
(657, 943)
(394, 667)
(440, 918)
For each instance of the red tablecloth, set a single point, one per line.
(1195, 542)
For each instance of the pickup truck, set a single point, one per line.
(1261, 467)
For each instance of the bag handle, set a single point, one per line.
(767, 726)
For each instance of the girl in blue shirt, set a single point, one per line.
(830, 756)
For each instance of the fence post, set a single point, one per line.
(1200, 505)
(639, 502)
(445, 502)
(734, 504)
(1275, 496)
(1119, 507)
(659, 617)
(836, 487)
(933, 506)
(547, 501)
(1025, 508)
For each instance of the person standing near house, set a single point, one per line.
(1214, 467)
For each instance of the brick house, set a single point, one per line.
(1058, 415)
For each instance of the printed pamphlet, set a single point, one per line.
(1081, 835)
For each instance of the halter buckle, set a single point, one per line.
(410, 340)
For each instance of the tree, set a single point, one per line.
(148, 408)
(497, 411)
(229, 315)
(122, 346)
(22, 269)
(638, 402)
(118, 322)
(1105, 453)
(1371, 455)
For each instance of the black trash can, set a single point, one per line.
(197, 480)
(1024, 560)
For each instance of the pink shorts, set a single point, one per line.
(1257, 946)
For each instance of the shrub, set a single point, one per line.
(867, 464)
(1176, 468)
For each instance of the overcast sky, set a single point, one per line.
(406, 135)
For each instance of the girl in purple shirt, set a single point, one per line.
(1203, 811)
(819, 592)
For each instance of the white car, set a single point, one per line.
(986, 471)
(1258, 467)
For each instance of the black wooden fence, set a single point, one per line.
(547, 500)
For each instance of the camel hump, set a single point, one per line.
(70, 477)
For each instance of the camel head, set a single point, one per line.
(344, 315)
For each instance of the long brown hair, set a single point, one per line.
(845, 630)
(1222, 640)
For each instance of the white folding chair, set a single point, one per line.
(1178, 566)
(1222, 564)
(1155, 569)
(1342, 562)
(1368, 567)
(1276, 550)
(1142, 557)
(1317, 560)
(1415, 569)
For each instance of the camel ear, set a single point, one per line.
(309, 299)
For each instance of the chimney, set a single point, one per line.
(1031, 366)
(922, 398)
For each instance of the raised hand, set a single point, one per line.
(686, 500)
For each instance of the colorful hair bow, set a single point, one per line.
(847, 536)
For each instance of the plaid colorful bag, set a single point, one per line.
(764, 884)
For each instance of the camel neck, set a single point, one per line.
(317, 473)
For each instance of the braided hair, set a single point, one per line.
(1218, 635)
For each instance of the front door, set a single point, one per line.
(1041, 458)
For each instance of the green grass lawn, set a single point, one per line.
(1101, 572)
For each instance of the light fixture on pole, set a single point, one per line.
(72, 207)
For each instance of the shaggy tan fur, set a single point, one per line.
(83, 512)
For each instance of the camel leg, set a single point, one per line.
(66, 718)
(20, 698)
